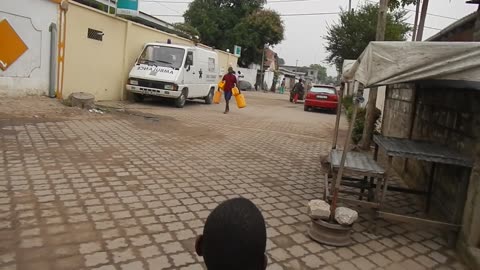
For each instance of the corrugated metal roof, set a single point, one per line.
(454, 26)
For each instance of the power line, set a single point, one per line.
(282, 15)
(430, 14)
(176, 11)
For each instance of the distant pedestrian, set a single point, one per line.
(297, 90)
(230, 82)
(282, 86)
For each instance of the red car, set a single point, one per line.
(322, 97)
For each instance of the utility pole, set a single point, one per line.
(415, 24)
(372, 95)
(262, 73)
(349, 5)
(421, 24)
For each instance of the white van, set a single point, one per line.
(174, 71)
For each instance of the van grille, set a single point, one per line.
(151, 84)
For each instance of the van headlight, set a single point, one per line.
(172, 87)
(133, 82)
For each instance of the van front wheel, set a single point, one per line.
(209, 98)
(181, 100)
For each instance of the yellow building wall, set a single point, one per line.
(226, 60)
(101, 67)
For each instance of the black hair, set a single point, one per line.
(235, 237)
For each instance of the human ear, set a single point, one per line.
(198, 245)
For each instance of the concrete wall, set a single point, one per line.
(449, 117)
(249, 75)
(29, 74)
(101, 67)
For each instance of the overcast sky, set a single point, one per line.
(304, 34)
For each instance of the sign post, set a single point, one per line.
(237, 51)
(127, 7)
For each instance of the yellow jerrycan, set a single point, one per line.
(240, 99)
(217, 97)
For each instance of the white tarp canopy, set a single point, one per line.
(383, 63)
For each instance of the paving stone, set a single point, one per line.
(116, 243)
(182, 259)
(426, 261)
(158, 263)
(88, 248)
(141, 240)
(172, 247)
(132, 266)
(149, 251)
(379, 259)
(95, 259)
(122, 255)
(363, 264)
(297, 251)
(279, 254)
(393, 255)
(312, 261)
(345, 265)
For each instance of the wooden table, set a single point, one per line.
(358, 163)
(425, 151)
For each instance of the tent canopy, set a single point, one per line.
(383, 63)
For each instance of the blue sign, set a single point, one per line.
(127, 7)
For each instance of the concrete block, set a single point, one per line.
(318, 209)
(345, 216)
(82, 100)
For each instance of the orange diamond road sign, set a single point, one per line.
(11, 45)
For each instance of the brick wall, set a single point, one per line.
(445, 116)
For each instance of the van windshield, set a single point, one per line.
(162, 56)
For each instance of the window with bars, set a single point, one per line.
(95, 34)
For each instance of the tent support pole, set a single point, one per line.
(337, 120)
(336, 185)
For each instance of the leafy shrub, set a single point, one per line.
(357, 132)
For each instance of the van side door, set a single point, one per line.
(191, 74)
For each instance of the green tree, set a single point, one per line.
(188, 29)
(225, 23)
(348, 38)
(322, 72)
(394, 4)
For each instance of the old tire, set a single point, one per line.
(138, 97)
(181, 100)
(209, 98)
(306, 108)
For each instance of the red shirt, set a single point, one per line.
(230, 81)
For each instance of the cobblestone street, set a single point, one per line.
(130, 190)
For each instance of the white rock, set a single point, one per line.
(345, 216)
(318, 209)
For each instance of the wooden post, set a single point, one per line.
(421, 24)
(415, 24)
(372, 95)
(337, 120)
(338, 178)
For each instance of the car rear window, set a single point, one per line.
(325, 90)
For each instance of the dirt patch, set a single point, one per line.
(167, 124)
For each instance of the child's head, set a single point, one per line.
(234, 237)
